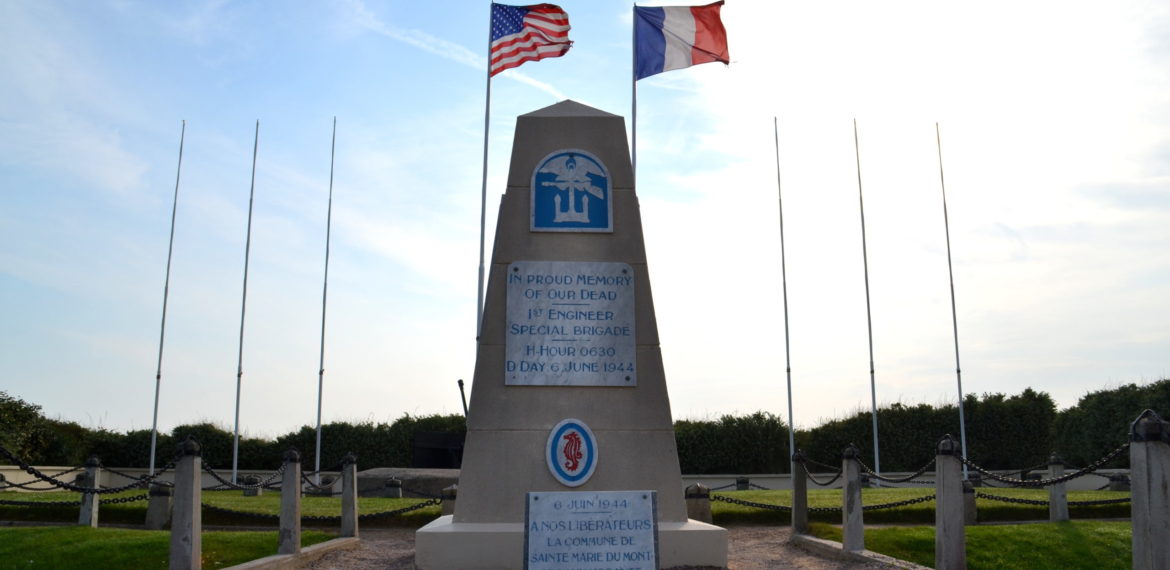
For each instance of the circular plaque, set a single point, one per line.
(571, 452)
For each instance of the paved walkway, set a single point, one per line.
(750, 547)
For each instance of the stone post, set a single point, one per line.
(950, 536)
(698, 498)
(799, 494)
(158, 510)
(1149, 463)
(970, 510)
(394, 488)
(852, 523)
(187, 516)
(290, 505)
(742, 483)
(1057, 493)
(90, 501)
(448, 495)
(253, 491)
(349, 496)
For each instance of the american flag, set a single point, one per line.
(527, 33)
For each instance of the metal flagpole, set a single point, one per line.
(487, 106)
(166, 292)
(954, 316)
(634, 98)
(877, 463)
(243, 306)
(324, 297)
(784, 285)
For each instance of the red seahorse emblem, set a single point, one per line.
(572, 451)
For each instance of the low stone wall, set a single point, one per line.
(415, 482)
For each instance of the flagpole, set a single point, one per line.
(877, 464)
(784, 286)
(634, 97)
(243, 306)
(324, 297)
(487, 106)
(954, 315)
(166, 292)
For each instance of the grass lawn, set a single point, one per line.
(1040, 546)
(85, 548)
(1079, 544)
(268, 503)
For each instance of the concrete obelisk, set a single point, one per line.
(568, 364)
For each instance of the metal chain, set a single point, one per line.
(753, 504)
(1003, 499)
(71, 487)
(760, 487)
(26, 486)
(130, 499)
(420, 493)
(925, 499)
(786, 508)
(908, 479)
(228, 484)
(822, 465)
(403, 510)
(310, 483)
(826, 483)
(1099, 502)
(1048, 482)
(337, 467)
(325, 518)
(1046, 503)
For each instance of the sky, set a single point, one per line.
(1054, 121)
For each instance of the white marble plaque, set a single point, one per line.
(608, 530)
(570, 323)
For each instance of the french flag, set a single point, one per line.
(674, 37)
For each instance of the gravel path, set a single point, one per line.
(749, 548)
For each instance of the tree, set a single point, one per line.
(22, 429)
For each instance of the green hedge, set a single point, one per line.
(1003, 432)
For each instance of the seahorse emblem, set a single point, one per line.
(572, 451)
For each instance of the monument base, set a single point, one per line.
(447, 545)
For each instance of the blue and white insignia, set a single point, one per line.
(571, 452)
(571, 192)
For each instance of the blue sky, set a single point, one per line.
(1053, 117)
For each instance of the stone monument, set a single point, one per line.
(569, 391)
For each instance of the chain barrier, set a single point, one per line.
(826, 483)
(1099, 502)
(120, 500)
(337, 467)
(325, 518)
(1047, 482)
(225, 484)
(760, 487)
(786, 508)
(908, 479)
(71, 487)
(403, 510)
(835, 469)
(26, 486)
(406, 489)
(1041, 503)
(753, 504)
(305, 478)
